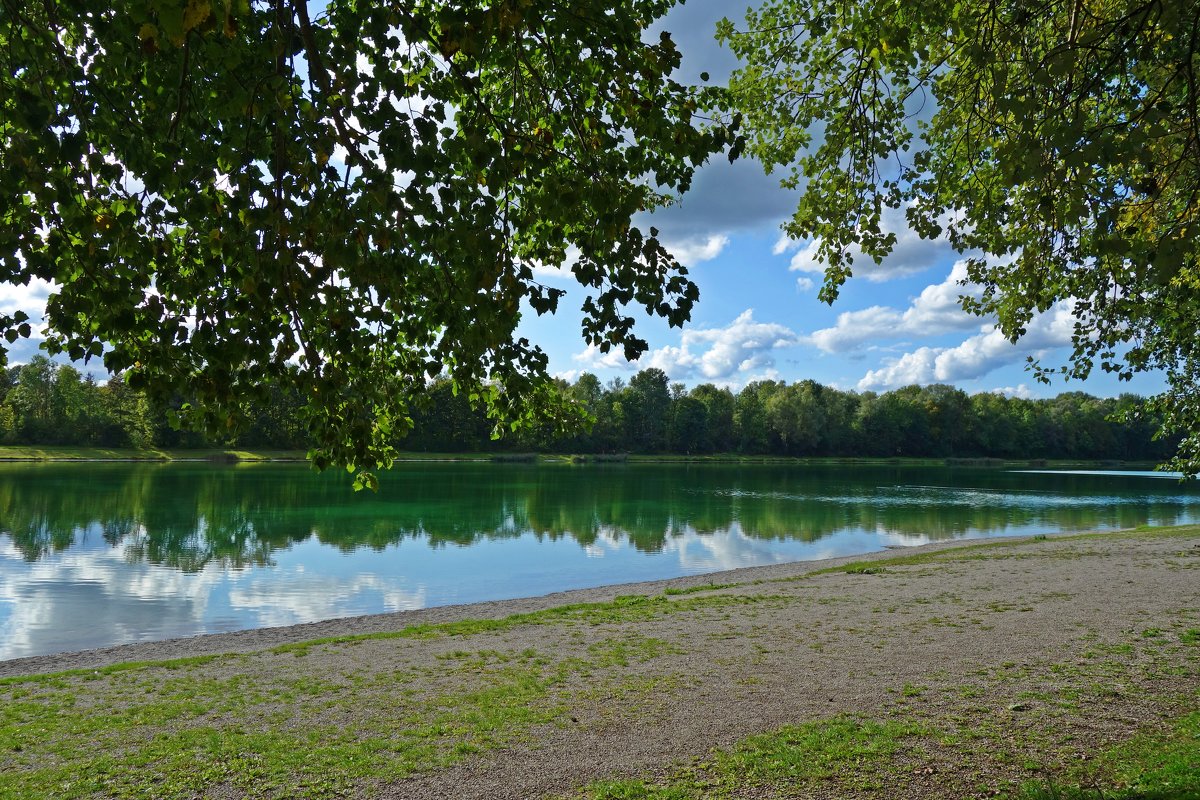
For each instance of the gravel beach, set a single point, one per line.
(954, 635)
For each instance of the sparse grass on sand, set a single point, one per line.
(1060, 667)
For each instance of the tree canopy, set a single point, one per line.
(233, 196)
(1057, 144)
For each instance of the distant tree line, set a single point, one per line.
(45, 403)
(51, 404)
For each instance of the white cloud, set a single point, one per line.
(561, 272)
(693, 251)
(976, 356)
(568, 375)
(714, 354)
(855, 327)
(1020, 390)
(591, 358)
(919, 366)
(689, 252)
(804, 284)
(742, 346)
(910, 255)
(30, 298)
(783, 244)
(936, 310)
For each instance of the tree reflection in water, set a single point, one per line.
(190, 516)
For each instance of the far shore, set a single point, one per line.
(961, 669)
(54, 453)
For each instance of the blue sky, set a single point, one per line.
(758, 315)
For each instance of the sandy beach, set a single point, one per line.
(1084, 640)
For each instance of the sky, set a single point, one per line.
(758, 316)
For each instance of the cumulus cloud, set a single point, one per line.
(1020, 391)
(30, 298)
(688, 251)
(976, 356)
(911, 254)
(853, 328)
(561, 272)
(805, 284)
(713, 354)
(936, 310)
(691, 252)
(592, 359)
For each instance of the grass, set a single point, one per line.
(841, 752)
(168, 729)
(56, 453)
(176, 729)
(622, 609)
(261, 736)
(1150, 766)
(848, 756)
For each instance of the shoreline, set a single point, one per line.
(949, 670)
(66, 454)
(250, 640)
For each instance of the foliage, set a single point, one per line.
(1056, 144)
(52, 405)
(232, 198)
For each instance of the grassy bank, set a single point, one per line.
(1103, 709)
(56, 453)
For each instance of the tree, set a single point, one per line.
(647, 405)
(718, 414)
(236, 198)
(750, 417)
(797, 416)
(687, 430)
(1057, 144)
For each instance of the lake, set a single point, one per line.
(94, 554)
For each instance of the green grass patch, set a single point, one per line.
(66, 453)
(174, 730)
(622, 609)
(1153, 766)
(712, 587)
(840, 752)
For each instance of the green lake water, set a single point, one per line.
(105, 553)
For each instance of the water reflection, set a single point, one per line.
(188, 517)
(94, 554)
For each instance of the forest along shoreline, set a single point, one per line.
(47, 407)
(944, 670)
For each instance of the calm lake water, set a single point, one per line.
(98, 554)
